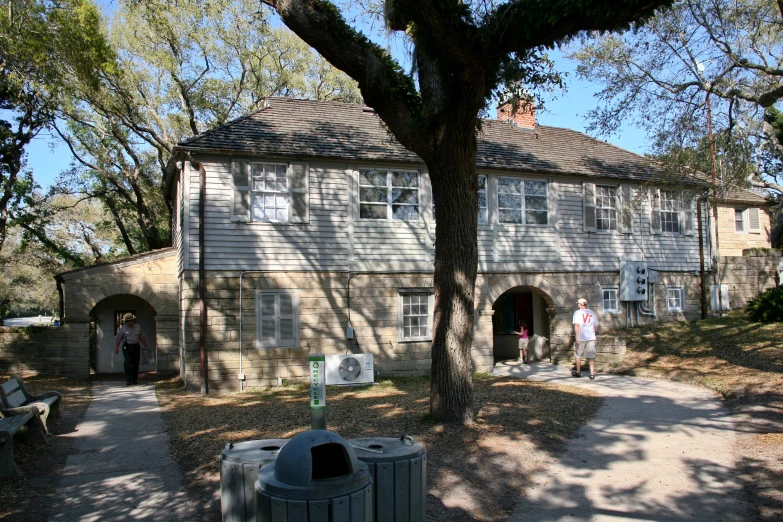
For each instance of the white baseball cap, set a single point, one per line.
(582, 300)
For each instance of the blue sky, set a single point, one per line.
(47, 157)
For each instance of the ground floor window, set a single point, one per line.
(277, 319)
(415, 315)
(609, 299)
(674, 299)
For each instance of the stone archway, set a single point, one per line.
(106, 317)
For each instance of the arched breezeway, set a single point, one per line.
(520, 305)
(105, 321)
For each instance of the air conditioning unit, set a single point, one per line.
(354, 368)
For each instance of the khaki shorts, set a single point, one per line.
(585, 349)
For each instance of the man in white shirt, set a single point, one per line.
(130, 333)
(585, 326)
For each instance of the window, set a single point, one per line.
(483, 211)
(277, 319)
(739, 220)
(670, 211)
(269, 193)
(415, 316)
(523, 201)
(609, 299)
(389, 195)
(674, 299)
(605, 208)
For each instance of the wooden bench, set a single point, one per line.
(10, 424)
(14, 395)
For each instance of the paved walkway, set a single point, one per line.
(122, 468)
(656, 451)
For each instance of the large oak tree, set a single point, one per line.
(463, 52)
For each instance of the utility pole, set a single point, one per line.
(714, 206)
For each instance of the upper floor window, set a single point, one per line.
(739, 220)
(386, 194)
(605, 208)
(523, 201)
(670, 211)
(483, 210)
(269, 192)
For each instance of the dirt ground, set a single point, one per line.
(30, 497)
(743, 362)
(473, 473)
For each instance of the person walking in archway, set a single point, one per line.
(130, 335)
(585, 326)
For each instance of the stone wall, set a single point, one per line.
(748, 276)
(56, 350)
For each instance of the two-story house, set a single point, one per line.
(312, 231)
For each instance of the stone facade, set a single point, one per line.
(748, 276)
(732, 243)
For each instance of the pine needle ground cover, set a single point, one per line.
(743, 362)
(473, 473)
(31, 496)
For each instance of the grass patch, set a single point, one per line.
(730, 355)
(474, 472)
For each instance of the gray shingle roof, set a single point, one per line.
(288, 128)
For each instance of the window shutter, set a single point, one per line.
(299, 193)
(688, 214)
(588, 201)
(754, 220)
(655, 221)
(267, 335)
(240, 176)
(625, 209)
(287, 319)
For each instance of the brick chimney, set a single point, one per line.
(524, 118)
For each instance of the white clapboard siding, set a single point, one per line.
(525, 243)
(391, 241)
(319, 244)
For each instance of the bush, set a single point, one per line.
(767, 307)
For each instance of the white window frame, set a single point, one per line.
(292, 343)
(523, 195)
(264, 193)
(610, 210)
(616, 299)
(673, 198)
(678, 290)
(409, 292)
(389, 191)
(485, 208)
(744, 222)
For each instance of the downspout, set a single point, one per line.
(714, 207)
(202, 284)
(702, 273)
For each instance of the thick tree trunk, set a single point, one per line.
(453, 173)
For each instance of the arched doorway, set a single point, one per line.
(520, 304)
(106, 318)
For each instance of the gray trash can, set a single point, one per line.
(239, 464)
(399, 474)
(316, 478)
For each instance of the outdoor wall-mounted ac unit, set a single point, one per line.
(354, 368)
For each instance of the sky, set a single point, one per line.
(47, 156)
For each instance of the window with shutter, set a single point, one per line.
(739, 220)
(277, 318)
(605, 207)
(754, 220)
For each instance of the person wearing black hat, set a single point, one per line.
(131, 334)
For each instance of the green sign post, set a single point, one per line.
(317, 391)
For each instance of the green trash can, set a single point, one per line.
(239, 465)
(399, 473)
(316, 478)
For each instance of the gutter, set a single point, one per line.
(702, 273)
